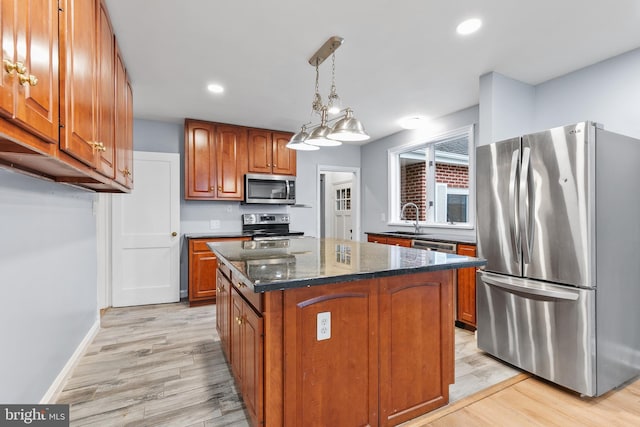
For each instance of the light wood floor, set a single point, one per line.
(163, 365)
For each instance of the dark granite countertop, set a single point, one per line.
(294, 263)
(438, 237)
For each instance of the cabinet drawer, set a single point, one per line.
(224, 270)
(254, 299)
(200, 246)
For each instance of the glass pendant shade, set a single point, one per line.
(297, 142)
(318, 137)
(348, 129)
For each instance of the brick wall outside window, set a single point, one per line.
(413, 183)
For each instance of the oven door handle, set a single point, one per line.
(528, 287)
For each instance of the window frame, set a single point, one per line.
(429, 141)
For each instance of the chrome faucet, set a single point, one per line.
(416, 225)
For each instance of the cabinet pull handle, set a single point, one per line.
(125, 171)
(25, 80)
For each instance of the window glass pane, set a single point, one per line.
(451, 178)
(413, 180)
(457, 207)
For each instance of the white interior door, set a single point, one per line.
(342, 211)
(146, 233)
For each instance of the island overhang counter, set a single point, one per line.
(333, 332)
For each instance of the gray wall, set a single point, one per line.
(48, 271)
(375, 183)
(606, 92)
(195, 215)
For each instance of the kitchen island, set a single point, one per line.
(330, 332)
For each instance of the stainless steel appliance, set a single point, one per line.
(557, 221)
(266, 226)
(269, 189)
(429, 245)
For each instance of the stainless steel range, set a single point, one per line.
(268, 226)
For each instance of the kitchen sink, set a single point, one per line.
(405, 233)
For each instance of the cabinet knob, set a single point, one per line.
(25, 80)
(174, 234)
(219, 187)
(239, 320)
(9, 66)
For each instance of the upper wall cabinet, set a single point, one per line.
(58, 94)
(29, 86)
(123, 124)
(215, 160)
(268, 153)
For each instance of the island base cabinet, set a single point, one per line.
(374, 352)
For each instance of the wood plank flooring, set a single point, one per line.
(163, 365)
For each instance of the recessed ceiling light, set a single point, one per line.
(413, 122)
(215, 88)
(469, 26)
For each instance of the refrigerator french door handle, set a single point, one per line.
(513, 203)
(511, 285)
(523, 205)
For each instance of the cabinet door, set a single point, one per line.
(7, 32)
(128, 149)
(106, 94)
(466, 304)
(199, 154)
(223, 301)
(203, 265)
(231, 161)
(235, 338)
(123, 141)
(284, 159)
(30, 38)
(37, 48)
(342, 364)
(252, 367)
(260, 151)
(77, 93)
(416, 345)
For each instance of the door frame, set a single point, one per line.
(355, 197)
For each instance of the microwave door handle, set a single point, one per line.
(524, 205)
(286, 183)
(513, 204)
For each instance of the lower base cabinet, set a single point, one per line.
(202, 270)
(387, 357)
(466, 300)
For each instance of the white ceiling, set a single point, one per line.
(399, 57)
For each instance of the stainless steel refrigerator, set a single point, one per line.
(558, 220)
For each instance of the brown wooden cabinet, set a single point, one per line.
(215, 160)
(105, 94)
(203, 266)
(77, 89)
(389, 240)
(223, 306)
(466, 299)
(416, 345)
(247, 353)
(57, 111)
(268, 153)
(29, 85)
(123, 124)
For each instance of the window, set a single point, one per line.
(436, 174)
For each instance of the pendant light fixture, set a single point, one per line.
(346, 126)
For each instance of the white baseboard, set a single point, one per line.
(52, 394)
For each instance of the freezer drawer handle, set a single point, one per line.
(550, 293)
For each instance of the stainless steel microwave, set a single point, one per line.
(269, 189)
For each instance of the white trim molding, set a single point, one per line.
(52, 394)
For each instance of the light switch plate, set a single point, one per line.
(324, 326)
